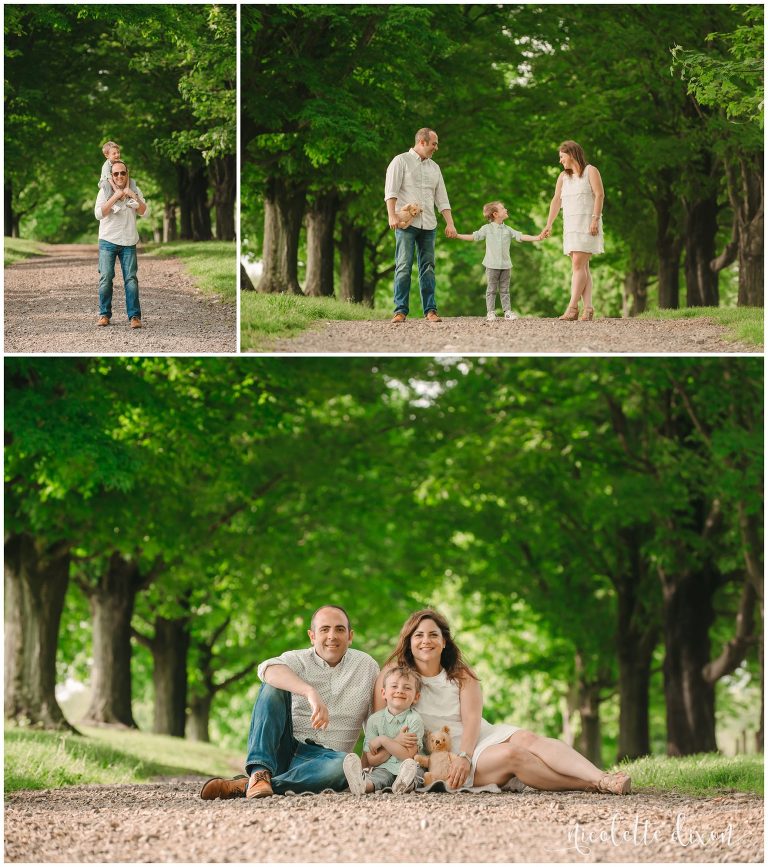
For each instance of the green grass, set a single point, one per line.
(17, 249)
(704, 774)
(743, 324)
(49, 760)
(213, 264)
(264, 318)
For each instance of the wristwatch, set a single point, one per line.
(463, 755)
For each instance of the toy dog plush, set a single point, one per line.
(440, 760)
(405, 215)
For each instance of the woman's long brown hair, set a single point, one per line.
(576, 152)
(450, 659)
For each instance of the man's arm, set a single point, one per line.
(281, 677)
(450, 229)
(104, 205)
(394, 222)
(392, 184)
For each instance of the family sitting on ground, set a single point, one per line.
(313, 703)
(414, 188)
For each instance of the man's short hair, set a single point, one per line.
(490, 209)
(338, 608)
(108, 146)
(423, 134)
(403, 671)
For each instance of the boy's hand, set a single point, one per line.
(406, 739)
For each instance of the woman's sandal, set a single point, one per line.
(588, 313)
(571, 314)
(614, 784)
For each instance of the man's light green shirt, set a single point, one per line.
(497, 239)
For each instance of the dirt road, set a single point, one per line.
(473, 334)
(167, 821)
(52, 304)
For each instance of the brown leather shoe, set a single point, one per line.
(135, 322)
(258, 785)
(433, 317)
(217, 787)
(103, 320)
(398, 318)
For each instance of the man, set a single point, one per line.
(413, 178)
(308, 715)
(118, 237)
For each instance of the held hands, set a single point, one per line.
(545, 232)
(319, 718)
(450, 231)
(459, 772)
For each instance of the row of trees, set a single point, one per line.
(159, 79)
(673, 123)
(170, 522)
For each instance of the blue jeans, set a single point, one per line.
(300, 767)
(108, 252)
(423, 240)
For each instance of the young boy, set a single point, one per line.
(111, 151)
(391, 764)
(497, 263)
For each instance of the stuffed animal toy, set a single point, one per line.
(440, 760)
(405, 215)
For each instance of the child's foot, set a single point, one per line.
(353, 771)
(508, 314)
(491, 317)
(132, 203)
(405, 776)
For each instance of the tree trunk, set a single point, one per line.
(224, 181)
(352, 263)
(112, 602)
(199, 718)
(690, 700)
(193, 202)
(636, 290)
(36, 579)
(9, 222)
(170, 232)
(590, 742)
(321, 221)
(169, 653)
(751, 231)
(283, 210)
(701, 280)
(245, 281)
(668, 246)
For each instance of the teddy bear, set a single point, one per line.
(405, 215)
(440, 760)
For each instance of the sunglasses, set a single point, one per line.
(119, 174)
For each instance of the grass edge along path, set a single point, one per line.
(18, 249)
(265, 318)
(213, 264)
(742, 324)
(37, 759)
(51, 760)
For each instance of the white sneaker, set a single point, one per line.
(353, 771)
(510, 315)
(491, 317)
(405, 777)
(132, 203)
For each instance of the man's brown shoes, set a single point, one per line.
(433, 317)
(135, 322)
(259, 785)
(219, 788)
(103, 320)
(398, 318)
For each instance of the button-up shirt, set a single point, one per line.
(390, 725)
(412, 180)
(346, 688)
(497, 239)
(119, 224)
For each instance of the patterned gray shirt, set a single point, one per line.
(497, 239)
(412, 180)
(346, 689)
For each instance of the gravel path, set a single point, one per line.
(167, 821)
(473, 334)
(51, 305)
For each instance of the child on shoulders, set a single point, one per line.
(497, 262)
(390, 763)
(111, 151)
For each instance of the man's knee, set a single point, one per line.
(273, 696)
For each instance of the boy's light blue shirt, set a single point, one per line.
(497, 239)
(384, 723)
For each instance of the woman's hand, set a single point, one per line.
(460, 768)
(594, 226)
(545, 232)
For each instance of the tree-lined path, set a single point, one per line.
(166, 821)
(475, 334)
(51, 305)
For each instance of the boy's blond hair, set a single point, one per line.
(490, 209)
(108, 145)
(403, 671)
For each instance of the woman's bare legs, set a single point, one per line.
(543, 763)
(587, 296)
(579, 277)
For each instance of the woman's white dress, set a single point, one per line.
(439, 706)
(578, 201)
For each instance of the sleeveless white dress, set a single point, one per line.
(439, 706)
(578, 201)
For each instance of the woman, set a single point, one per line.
(500, 754)
(580, 191)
